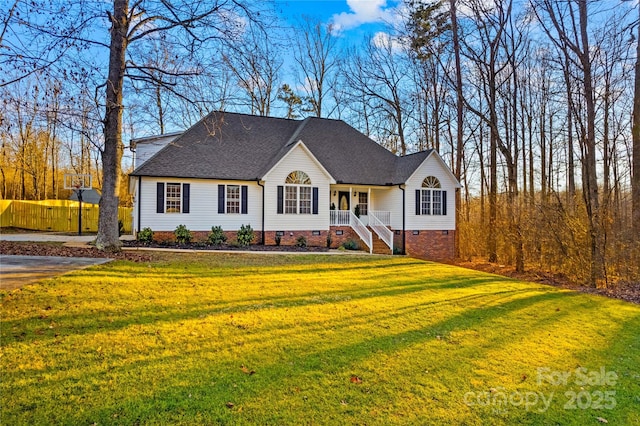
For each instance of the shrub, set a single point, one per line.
(145, 236)
(301, 241)
(120, 228)
(216, 236)
(183, 235)
(329, 240)
(351, 245)
(278, 240)
(356, 211)
(245, 235)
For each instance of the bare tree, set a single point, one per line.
(195, 23)
(315, 56)
(255, 62)
(567, 28)
(636, 140)
(378, 75)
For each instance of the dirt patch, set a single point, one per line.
(628, 291)
(53, 249)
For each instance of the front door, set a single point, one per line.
(343, 200)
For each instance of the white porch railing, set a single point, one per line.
(347, 218)
(379, 228)
(362, 231)
(340, 218)
(382, 216)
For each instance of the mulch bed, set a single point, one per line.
(52, 249)
(204, 246)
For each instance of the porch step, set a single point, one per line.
(379, 246)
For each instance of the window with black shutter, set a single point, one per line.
(431, 199)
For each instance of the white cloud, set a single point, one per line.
(385, 41)
(363, 12)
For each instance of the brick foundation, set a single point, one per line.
(290, 238)
(429, 245)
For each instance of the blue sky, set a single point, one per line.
(352, 18)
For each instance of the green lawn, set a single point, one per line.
(256, 339)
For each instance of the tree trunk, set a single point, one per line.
(108, 238)
(593, 203)
(459, 115)
(636, 144)
(571, 183)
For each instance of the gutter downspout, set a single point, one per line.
(139, 204)
(262, 186)
(404, 206)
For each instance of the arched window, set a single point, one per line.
(431, 182)
(298, 178)
(297, 193)
(431, 199)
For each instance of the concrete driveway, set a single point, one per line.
(16, 271)
(40, 237)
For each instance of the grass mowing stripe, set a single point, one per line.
(174, 341)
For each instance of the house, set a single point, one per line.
(291, 178)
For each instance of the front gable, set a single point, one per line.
(293, 156)
(298, 158)
(440, 215)
(434, 165)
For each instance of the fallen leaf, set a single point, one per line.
(247, 371)
(343, 402)
(602, 420)
(229, 404)
(355, 379)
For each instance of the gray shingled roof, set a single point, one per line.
(244, 147)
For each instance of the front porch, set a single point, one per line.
(376, 221)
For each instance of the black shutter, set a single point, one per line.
(315, 200)
(160, 198)
(418, 202)
(185, 197)
(444, 203)
(221, 199)
(244, 200)
(280, 199)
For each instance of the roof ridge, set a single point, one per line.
(428, 150)
(296, 132)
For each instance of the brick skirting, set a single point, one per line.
(429, 245)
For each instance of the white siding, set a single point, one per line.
(147, 149)
(203, 207)
(389, 200)
(431, 167)
(297, 159)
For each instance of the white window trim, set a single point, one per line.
(365, 212)
(227, 199)
(167, 198)
(298, 206)
(430, 204)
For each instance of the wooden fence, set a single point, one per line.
(55, 215)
